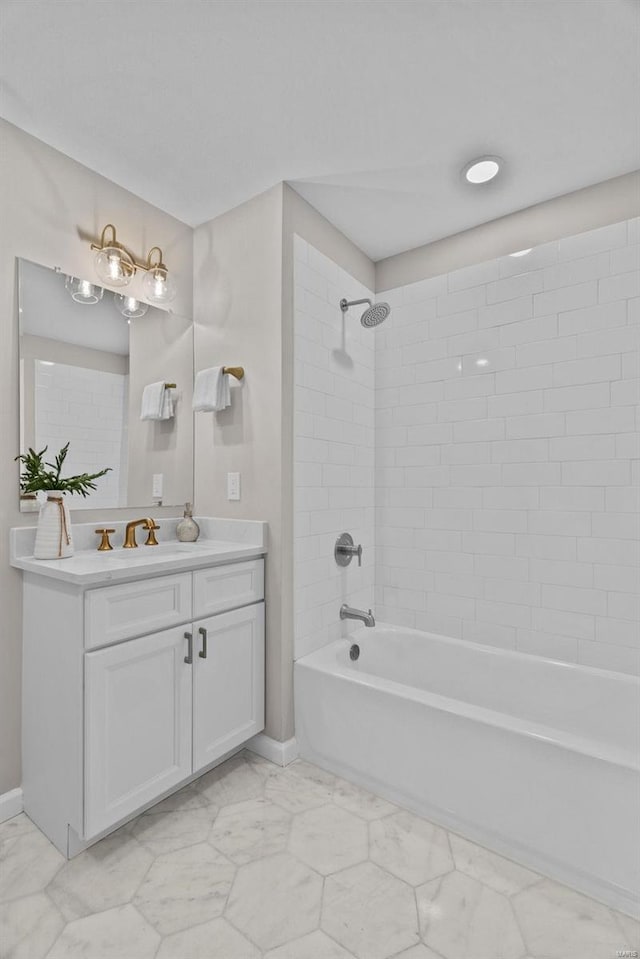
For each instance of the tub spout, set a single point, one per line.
(348, 612)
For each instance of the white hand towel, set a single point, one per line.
(167, 404)
(211, 391)
(152, 401)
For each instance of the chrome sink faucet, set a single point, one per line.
(348, 612)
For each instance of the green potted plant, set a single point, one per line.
(53, 536)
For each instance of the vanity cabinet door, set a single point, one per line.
(228, 682)
(138, 710)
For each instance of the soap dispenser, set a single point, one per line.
(187, 529)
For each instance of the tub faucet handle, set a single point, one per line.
(345, 550)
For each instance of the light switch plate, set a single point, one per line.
(233, 486)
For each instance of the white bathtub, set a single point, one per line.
(534, 758)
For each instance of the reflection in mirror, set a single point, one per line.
(86, 355)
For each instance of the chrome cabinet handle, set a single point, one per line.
(189, 657)
(203, 652)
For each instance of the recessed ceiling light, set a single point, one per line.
(521, 252)
(483, 361)
(482, 170)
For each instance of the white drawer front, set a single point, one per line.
(114, 613)
(227, 587)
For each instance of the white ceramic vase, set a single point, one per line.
(53, 535)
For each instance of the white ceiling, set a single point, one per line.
(368, 107)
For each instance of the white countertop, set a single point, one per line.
(89, 567)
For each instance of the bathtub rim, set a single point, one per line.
(325, 661)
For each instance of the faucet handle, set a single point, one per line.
(151, 526)
(345, 550)
(104, 542)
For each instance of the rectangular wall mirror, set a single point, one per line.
(83, 369)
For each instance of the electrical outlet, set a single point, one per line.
(158, 482)
(233, 485)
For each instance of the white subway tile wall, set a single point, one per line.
(507, 481)
(88, 408)
(334, 440)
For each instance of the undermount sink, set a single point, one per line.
(148, 552)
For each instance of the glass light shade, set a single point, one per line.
(158, 285)
(114, 266)
(82, 291)
(129, 306)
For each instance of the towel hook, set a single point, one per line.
(237, 371)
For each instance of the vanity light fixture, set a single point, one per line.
(130, 307)
(158, 283)
(114, 263)
(82, 291)
(116, 266)
(521, 252)
(482, 170)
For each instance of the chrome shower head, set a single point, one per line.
(373, 315)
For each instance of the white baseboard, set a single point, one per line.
(11, 804)
(279, 753)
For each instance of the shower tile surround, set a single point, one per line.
(507, 485)
(334, 447)
(254, 860)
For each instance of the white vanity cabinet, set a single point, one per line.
(130, 690)
(137, 721)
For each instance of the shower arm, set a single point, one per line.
(345, 304)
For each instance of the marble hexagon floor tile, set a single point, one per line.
(360, 802)
(301, 786)
(369, 912)
(211, 940)
(501, 874)
(460, 918)
(264, 767)
(233, 781)
(114, 934)
(251, 830)
(29, 927)
(167, 831)
(308, 773)
(247, 845)
(316, 945)
(184, 888)
(558, 923)
(418, 952)
(630, 931)
(328, 838)
(28, 862)
(274, 900)
(409, 847)
(104, 876)
(16, 826)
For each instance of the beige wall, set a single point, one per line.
(49, 204)
(161, 348)
(243, 312)
(237, 316)
(594, 206)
